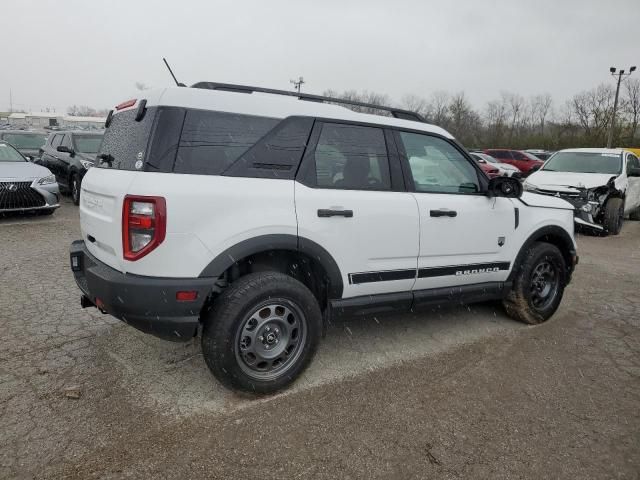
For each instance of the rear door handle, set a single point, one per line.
(443, 213)
(327, 212)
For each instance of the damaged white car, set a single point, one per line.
(602, 184)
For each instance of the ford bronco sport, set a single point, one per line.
(255, 215)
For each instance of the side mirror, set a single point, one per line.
(37, 161)
(64, 149)
(634, 172)
(504, 187)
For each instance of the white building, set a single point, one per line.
(42, 120)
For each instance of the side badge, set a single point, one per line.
(500, 241)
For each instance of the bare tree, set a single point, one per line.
(593, 111)
(439, 108)
(365, 97)
(632, 106)
(541, 109)
(416, 104)
(464, 122)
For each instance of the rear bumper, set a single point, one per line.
(146, 303)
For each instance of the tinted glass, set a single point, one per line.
(352, 157)
(57, 140)
(632, 162)
(10, 154)
(125, 141)
(504, 154)
(528, 156)
(87, 143)
(585, 162)
(25, 140)
(437, 166)
(212, 141)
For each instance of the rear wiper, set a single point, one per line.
(106, 158)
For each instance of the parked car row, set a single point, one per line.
(28, 157)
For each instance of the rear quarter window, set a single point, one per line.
(212, 141)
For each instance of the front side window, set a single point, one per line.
(56, 141)
(437, 166)
(352, 157)
(632, 162)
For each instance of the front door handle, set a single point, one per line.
(327, 212)
(443, 213)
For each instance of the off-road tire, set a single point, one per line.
(225, 321)
(613, 216)
(74, 189)
(520, 303)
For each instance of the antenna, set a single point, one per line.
(171, 72)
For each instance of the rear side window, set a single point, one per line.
(352, 157)
(212, 141)
(125, 141)
(502, 154)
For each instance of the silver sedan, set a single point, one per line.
(25, 186)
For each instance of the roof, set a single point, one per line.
(594, 150)
(274, 106)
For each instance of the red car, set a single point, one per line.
(526, 162)
(487, 168)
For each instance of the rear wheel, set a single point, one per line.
(614, 216)
(538, 285)
(74, 188)
(261, 333)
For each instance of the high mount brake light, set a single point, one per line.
(127, 104)
(144, 225)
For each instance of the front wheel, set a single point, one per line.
(538, 285)
(614, 216)
(261, 333)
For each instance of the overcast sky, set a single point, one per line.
(91, 52)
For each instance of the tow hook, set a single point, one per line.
(85, 302)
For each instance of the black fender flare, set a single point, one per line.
(568, 252)
(266, 243)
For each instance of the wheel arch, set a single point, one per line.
(271, 249)
(554, 235)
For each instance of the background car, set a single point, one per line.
(505, 169)
(69, 154)
(602, 184)
(29, 143)
(526, 162)
(25, 186)
(539, 153)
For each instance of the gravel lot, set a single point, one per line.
(457, 393)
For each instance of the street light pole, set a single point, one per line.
(620, 75)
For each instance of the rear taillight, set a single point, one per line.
(144, 225)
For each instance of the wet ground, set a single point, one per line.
(456, 393)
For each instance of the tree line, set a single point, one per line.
(515, 121)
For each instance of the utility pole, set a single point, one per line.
(620, 75)
(298, 83)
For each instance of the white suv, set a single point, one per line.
(260, 214)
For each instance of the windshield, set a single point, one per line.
(32, 141)
(10, 154)
(87, 143)
(585, 162)
(530, 156)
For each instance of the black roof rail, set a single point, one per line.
(230, 87)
